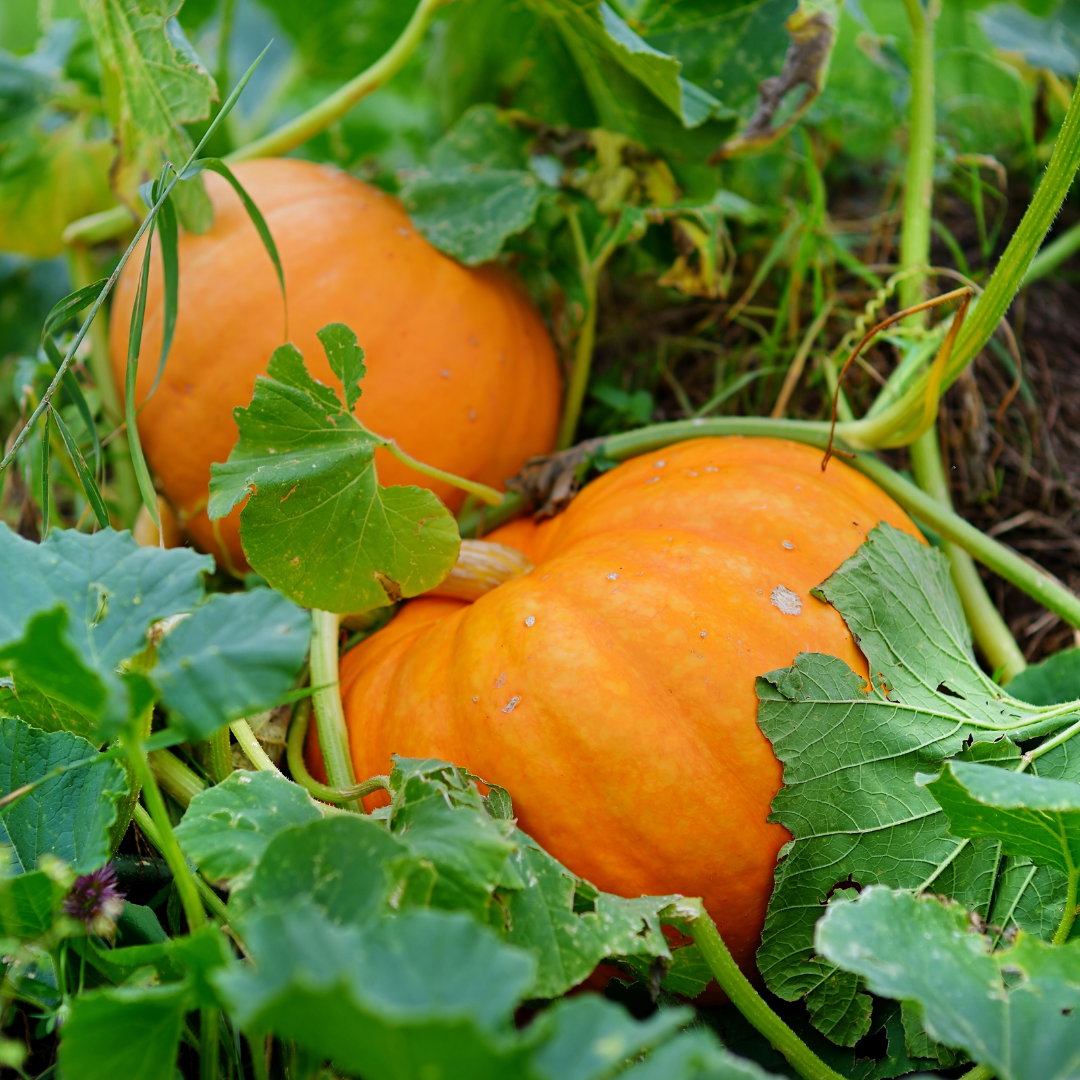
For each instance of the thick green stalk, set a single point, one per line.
(329, 714)
(888, 428)
(166, 839)
(175, 777)
(988, 627)
(1068, 916)
(219, 757)
(919, 180)
(746, 999)
(252, 748)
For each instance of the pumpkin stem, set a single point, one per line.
(481, 567)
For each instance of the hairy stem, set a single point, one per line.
(166, 839)
(1068, 916)
(1054, 254)
(175, 777)
(219, 759)
(329, 714)
(750, 1003)
(298, 767)
(252, 748)
(213, 902)
(988, 627)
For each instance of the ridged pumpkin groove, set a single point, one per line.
(612, 689)
(461, 371)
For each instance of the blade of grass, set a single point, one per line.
(44, 468)
(86, 477)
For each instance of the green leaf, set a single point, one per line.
(237, 654)
(346, 360)
(47, 712)
(133, 1032)
(850, 758)
(469, 213)
(68, 816)
(591, 1037)
(1032, 816)
(428, 992)
(226, 828)
(155, 84)
(440, 817)
(318, 526)
(923, 951)
(339, 864)
(112, 591)
(568, 943)
(694, 1056)
(29, 904)
(1051, 682)
(483, 138)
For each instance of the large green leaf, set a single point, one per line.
(88, 601)
(29, 903)
(155, 83)
(237, 654)
(850, 760)
(318, 526)
(426, 993)
(1054, 680)
(68, 816)
(923, 951)
(1033, 816)
(133, 1032)
(226, 828)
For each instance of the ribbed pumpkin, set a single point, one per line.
(611, 689)
(460, 368)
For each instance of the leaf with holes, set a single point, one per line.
(318, 525)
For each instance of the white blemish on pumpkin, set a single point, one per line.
(653, 480)
(789, 603)
(403, 232)
(704, 633)
(476, 699)
(711, 468)
(659, 464)
(444, 373)
(500, 680)
(511, 705)
(787, 544)
(530, 620)
(613, 577)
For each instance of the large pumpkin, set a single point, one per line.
(460, 368)
(611, 689)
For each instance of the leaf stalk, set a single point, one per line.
(748, 1001)
(326, 700)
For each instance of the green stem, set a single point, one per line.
(1068, 916)
(166, 839)
(298, 767)
(919, 181)
(317, 119)
(979, 1072)
(253, 748)
(988, 627)
(209, 1030)
(888, 428)
(175, 777)
(473, 487)
(210, 898)
(219, 762)
(329, 713)
(747, 1000)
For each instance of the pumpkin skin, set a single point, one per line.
(461, 371)
(612, 689)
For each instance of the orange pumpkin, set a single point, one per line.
(460, 368)
(611, 689)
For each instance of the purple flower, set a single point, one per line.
(96, 901)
